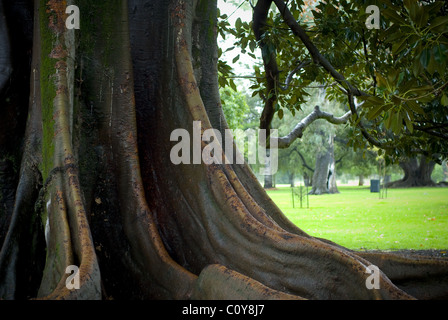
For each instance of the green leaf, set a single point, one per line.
(412, 8)
(252, 45)
(432, 65)
(382, 82)
(412, 105)
(426, 98)
(389, 119)
(236, 59)
(400, 45)
(233, 85)
(393, 29)
(439, 24)
(238, 23)
(280, 114)
(408, 121)
(440, 56)
(422, 16)
(425, 57)
(435, 7)
(375, 112)
(444, 100)
(393, 16)
(392, 76)
(394, 36)
(397, 123)
(375, 100)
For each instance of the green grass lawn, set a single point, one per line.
(415, 218)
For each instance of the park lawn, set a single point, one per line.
(415, 218)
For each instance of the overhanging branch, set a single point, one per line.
(315, 54)
(270, 64)
(292, 73)
(297, 132)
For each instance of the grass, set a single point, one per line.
(415, 218)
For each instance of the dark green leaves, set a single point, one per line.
(439, 25)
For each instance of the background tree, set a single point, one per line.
(96, 187)
(236, 110)
(417, 173)
(359, 164)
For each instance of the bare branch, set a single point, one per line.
(304, 164)
(297, 132)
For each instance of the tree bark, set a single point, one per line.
(97, 188)
(324, 177)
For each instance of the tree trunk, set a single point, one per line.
(291, 179)
(361, 180)
(445, 170)
(320, 176)
(416, 173)
(268, 183)
(324, 177)
(307, 180)
(331, 180)
(97, 188)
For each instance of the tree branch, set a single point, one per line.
(316, 55)
(297, 132)
(304, 164)
(292, 73)
(364, 132)
(270, 64)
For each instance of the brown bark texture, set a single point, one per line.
(95, 187)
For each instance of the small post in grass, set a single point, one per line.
(292, 196)
(300, 193)
(382, 168)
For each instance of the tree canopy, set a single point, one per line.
(393, 80)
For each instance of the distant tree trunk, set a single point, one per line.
(331, 180)
(445, 170)
(268, 181)
(320, 176)
(291, 179)
(361, 180)
(324, 178)
(416, 173)
(306, 179)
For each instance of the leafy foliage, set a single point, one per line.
(401, 68)
(235, 107)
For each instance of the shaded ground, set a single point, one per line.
(427, 253)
